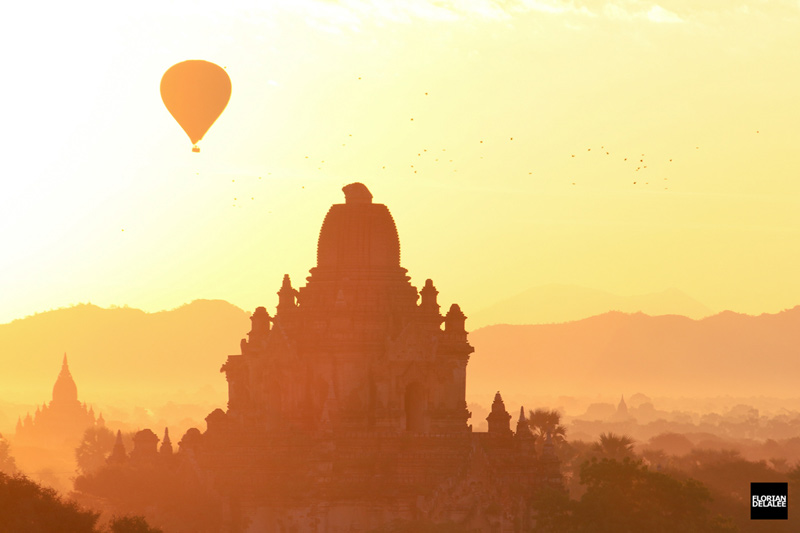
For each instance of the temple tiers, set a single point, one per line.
(346, 409)
(353, 334)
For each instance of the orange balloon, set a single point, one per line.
(195, 93)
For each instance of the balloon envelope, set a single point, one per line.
(195, 93)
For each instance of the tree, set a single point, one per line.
(554, 511)
(728, 475)
(544, 421)
(7, 463)
(671, 443)
(27, 506)
(624, 496)
(165, 490)
(91, 454)
(612, 446)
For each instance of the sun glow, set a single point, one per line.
(628, 148)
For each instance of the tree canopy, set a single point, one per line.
(7, 463)
(624, 496)
(612, 446)
(95, 446)
(27, 506)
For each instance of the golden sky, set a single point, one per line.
(483, 125)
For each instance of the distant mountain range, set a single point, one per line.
(555, 303)
(124, 353)
(120, 352)
(614, 353)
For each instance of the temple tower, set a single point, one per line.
(355, 333)
(499, 420)
(65, 392)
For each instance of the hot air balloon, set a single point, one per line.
(195, 93)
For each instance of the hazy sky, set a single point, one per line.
(483, 125)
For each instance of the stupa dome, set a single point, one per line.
(358, 234)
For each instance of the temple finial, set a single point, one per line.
(118, 454)
(523, 429)
(166, 444)
(357, 193)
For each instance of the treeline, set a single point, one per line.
(26, 506)
(617, 484)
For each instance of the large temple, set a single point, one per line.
(347, 408)
(62, 422)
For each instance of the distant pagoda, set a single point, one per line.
(63, 421)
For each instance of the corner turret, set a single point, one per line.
(499, 420)
(286, 296)
(259, 330)
(428, 294)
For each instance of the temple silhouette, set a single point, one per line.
(62, 422)
(347, 408)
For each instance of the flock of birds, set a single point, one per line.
(631, 161)
(440, 156)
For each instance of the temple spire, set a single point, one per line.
(499, 420)
(428, 294)
(118, 455)
(287, 295)
(622, 411)
(429, 307)
(523, 429)
(65, 391)
(166, 444)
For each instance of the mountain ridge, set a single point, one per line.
(556, 303)
(120, 349)
(726, 353)
(130, 352)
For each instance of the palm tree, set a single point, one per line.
(543, 421)
(612, 446)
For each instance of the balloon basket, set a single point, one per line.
(195, 149)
